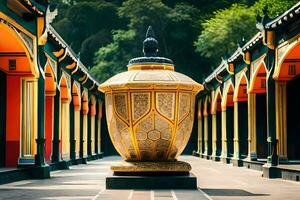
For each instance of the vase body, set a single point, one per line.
(150, 112)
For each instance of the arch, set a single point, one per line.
(240, 92)
(287, 98)
(65, 98)
(92, 124)
(19, 88)
(288, 66)
(100, 109)
(199, 109)
(258, 80)
(14, 46)
(207, 106)
(50, 91)
(85, 111)
(258, 119)
(85, 102)
(65, 95)
(227, 99)
(50, 84)
(76, 96)
(217, 101)
(93, 106)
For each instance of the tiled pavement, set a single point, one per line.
(215, 181)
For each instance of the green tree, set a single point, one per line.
(176, 28)
(222, 33)
(114, 57)
(87, 26)
(273, 7)
(227, 27)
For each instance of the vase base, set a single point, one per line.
(160, 167)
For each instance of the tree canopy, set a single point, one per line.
(222, 32)
(195, 34)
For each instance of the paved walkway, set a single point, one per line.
(215, 181)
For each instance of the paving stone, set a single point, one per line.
(215, 181)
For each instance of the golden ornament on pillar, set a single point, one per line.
(150, 108)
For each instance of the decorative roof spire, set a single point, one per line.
(150, 44)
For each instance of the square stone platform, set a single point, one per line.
(151, 182)
(151, 175)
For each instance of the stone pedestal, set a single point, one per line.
(151, 175)
(270, 171)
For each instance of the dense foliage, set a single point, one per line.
(195, 34)
(228, 26)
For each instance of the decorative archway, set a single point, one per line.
(207, 127)
(92, 124)
(258, 104)
(200, 127)
(50, 92)
(18, 98)
(99, 132)
(240, 92)
(227, 121)
(65, 99)
(217, 125)
(287, 99)
(241, 116)
(217, 101)
(84, 116)
(258, 77)
(77, 107)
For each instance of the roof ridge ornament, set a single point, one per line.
(242, 42)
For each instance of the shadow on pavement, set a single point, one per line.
(229, 192)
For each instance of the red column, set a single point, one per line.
(13, 122)
(49, 109)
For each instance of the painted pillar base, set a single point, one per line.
(55, 148)
(237, 162)
(196, 154)
(214, 157)
(225, 160)
(84, 160)
(92, 157)
(40, 172)
(206, 156)
(100, 155)
(283, 160)
(252, 157)
(270, 171)
(75, 162)
(75, 159)
(73, 153)
(61, 165)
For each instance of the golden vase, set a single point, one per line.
(150, 108)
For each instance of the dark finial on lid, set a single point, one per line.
(150, 44)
